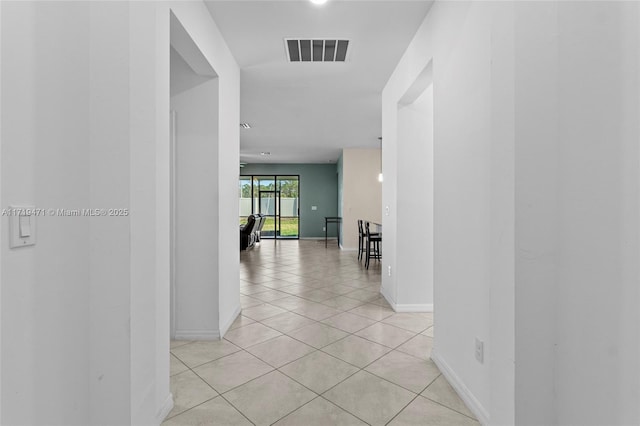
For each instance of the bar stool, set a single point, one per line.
(361, 238)
(373, 241)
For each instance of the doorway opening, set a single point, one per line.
(276, 197)
(194, 102)
(415, 254)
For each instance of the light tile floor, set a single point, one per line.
(316, 344)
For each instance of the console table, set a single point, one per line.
(331, 219)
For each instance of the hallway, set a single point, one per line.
(315, 344)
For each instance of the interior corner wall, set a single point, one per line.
(414, 264)
(197, 222)
(471, 191)
(537, 182)
(361, 192)
(85, 107)
(150, 88)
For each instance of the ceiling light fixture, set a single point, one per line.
(265, 153)
(318, 1)
(245, 125)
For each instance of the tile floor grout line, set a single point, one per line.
(446, 406)
(191, 408)
(262, 375)
(288, 414)
(236, 408)
(215, 359)
(346, 411)
(402, 409)
(250, 380)
(397, 384)
(360, 368)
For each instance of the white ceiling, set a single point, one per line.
(307, 112)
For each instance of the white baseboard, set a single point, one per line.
(465, 394)
(197, 335)
(426, 307)
(399, 307)
(225, 326)
(165, 409)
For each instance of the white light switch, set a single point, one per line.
(314, 207)
(25, 226)
(22, 226)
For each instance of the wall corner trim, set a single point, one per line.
(387, 296)
(165, 409)
(227, 324)
(465, 394)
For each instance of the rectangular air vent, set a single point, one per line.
(316, 50)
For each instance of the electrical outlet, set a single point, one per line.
(389, 270)
(480, 351)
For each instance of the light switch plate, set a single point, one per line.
(25, 216)
(314, 207)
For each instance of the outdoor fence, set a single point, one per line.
(288, 206)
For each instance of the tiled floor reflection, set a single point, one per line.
(316, 344)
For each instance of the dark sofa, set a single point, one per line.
(250, 232)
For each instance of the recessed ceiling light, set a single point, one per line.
(265, 153)
(318, 1)
(245, 125)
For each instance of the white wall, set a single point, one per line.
(536, 205)
(109, 257)
(203, 31)
(470, 193)
(1, 230)
(85, 123)
(414, 264)
(20, 276)
(361, 192)
(59, 361)
(577, 178)
(196, 293)
(150, 76)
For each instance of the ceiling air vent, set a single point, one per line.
(316, 50)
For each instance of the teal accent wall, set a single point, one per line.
(318, 187)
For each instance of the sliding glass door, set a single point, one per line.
(289, 213)
(276, 197)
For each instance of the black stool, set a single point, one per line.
(373, 241)
(361, 238)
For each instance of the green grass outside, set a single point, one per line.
(288, 226)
